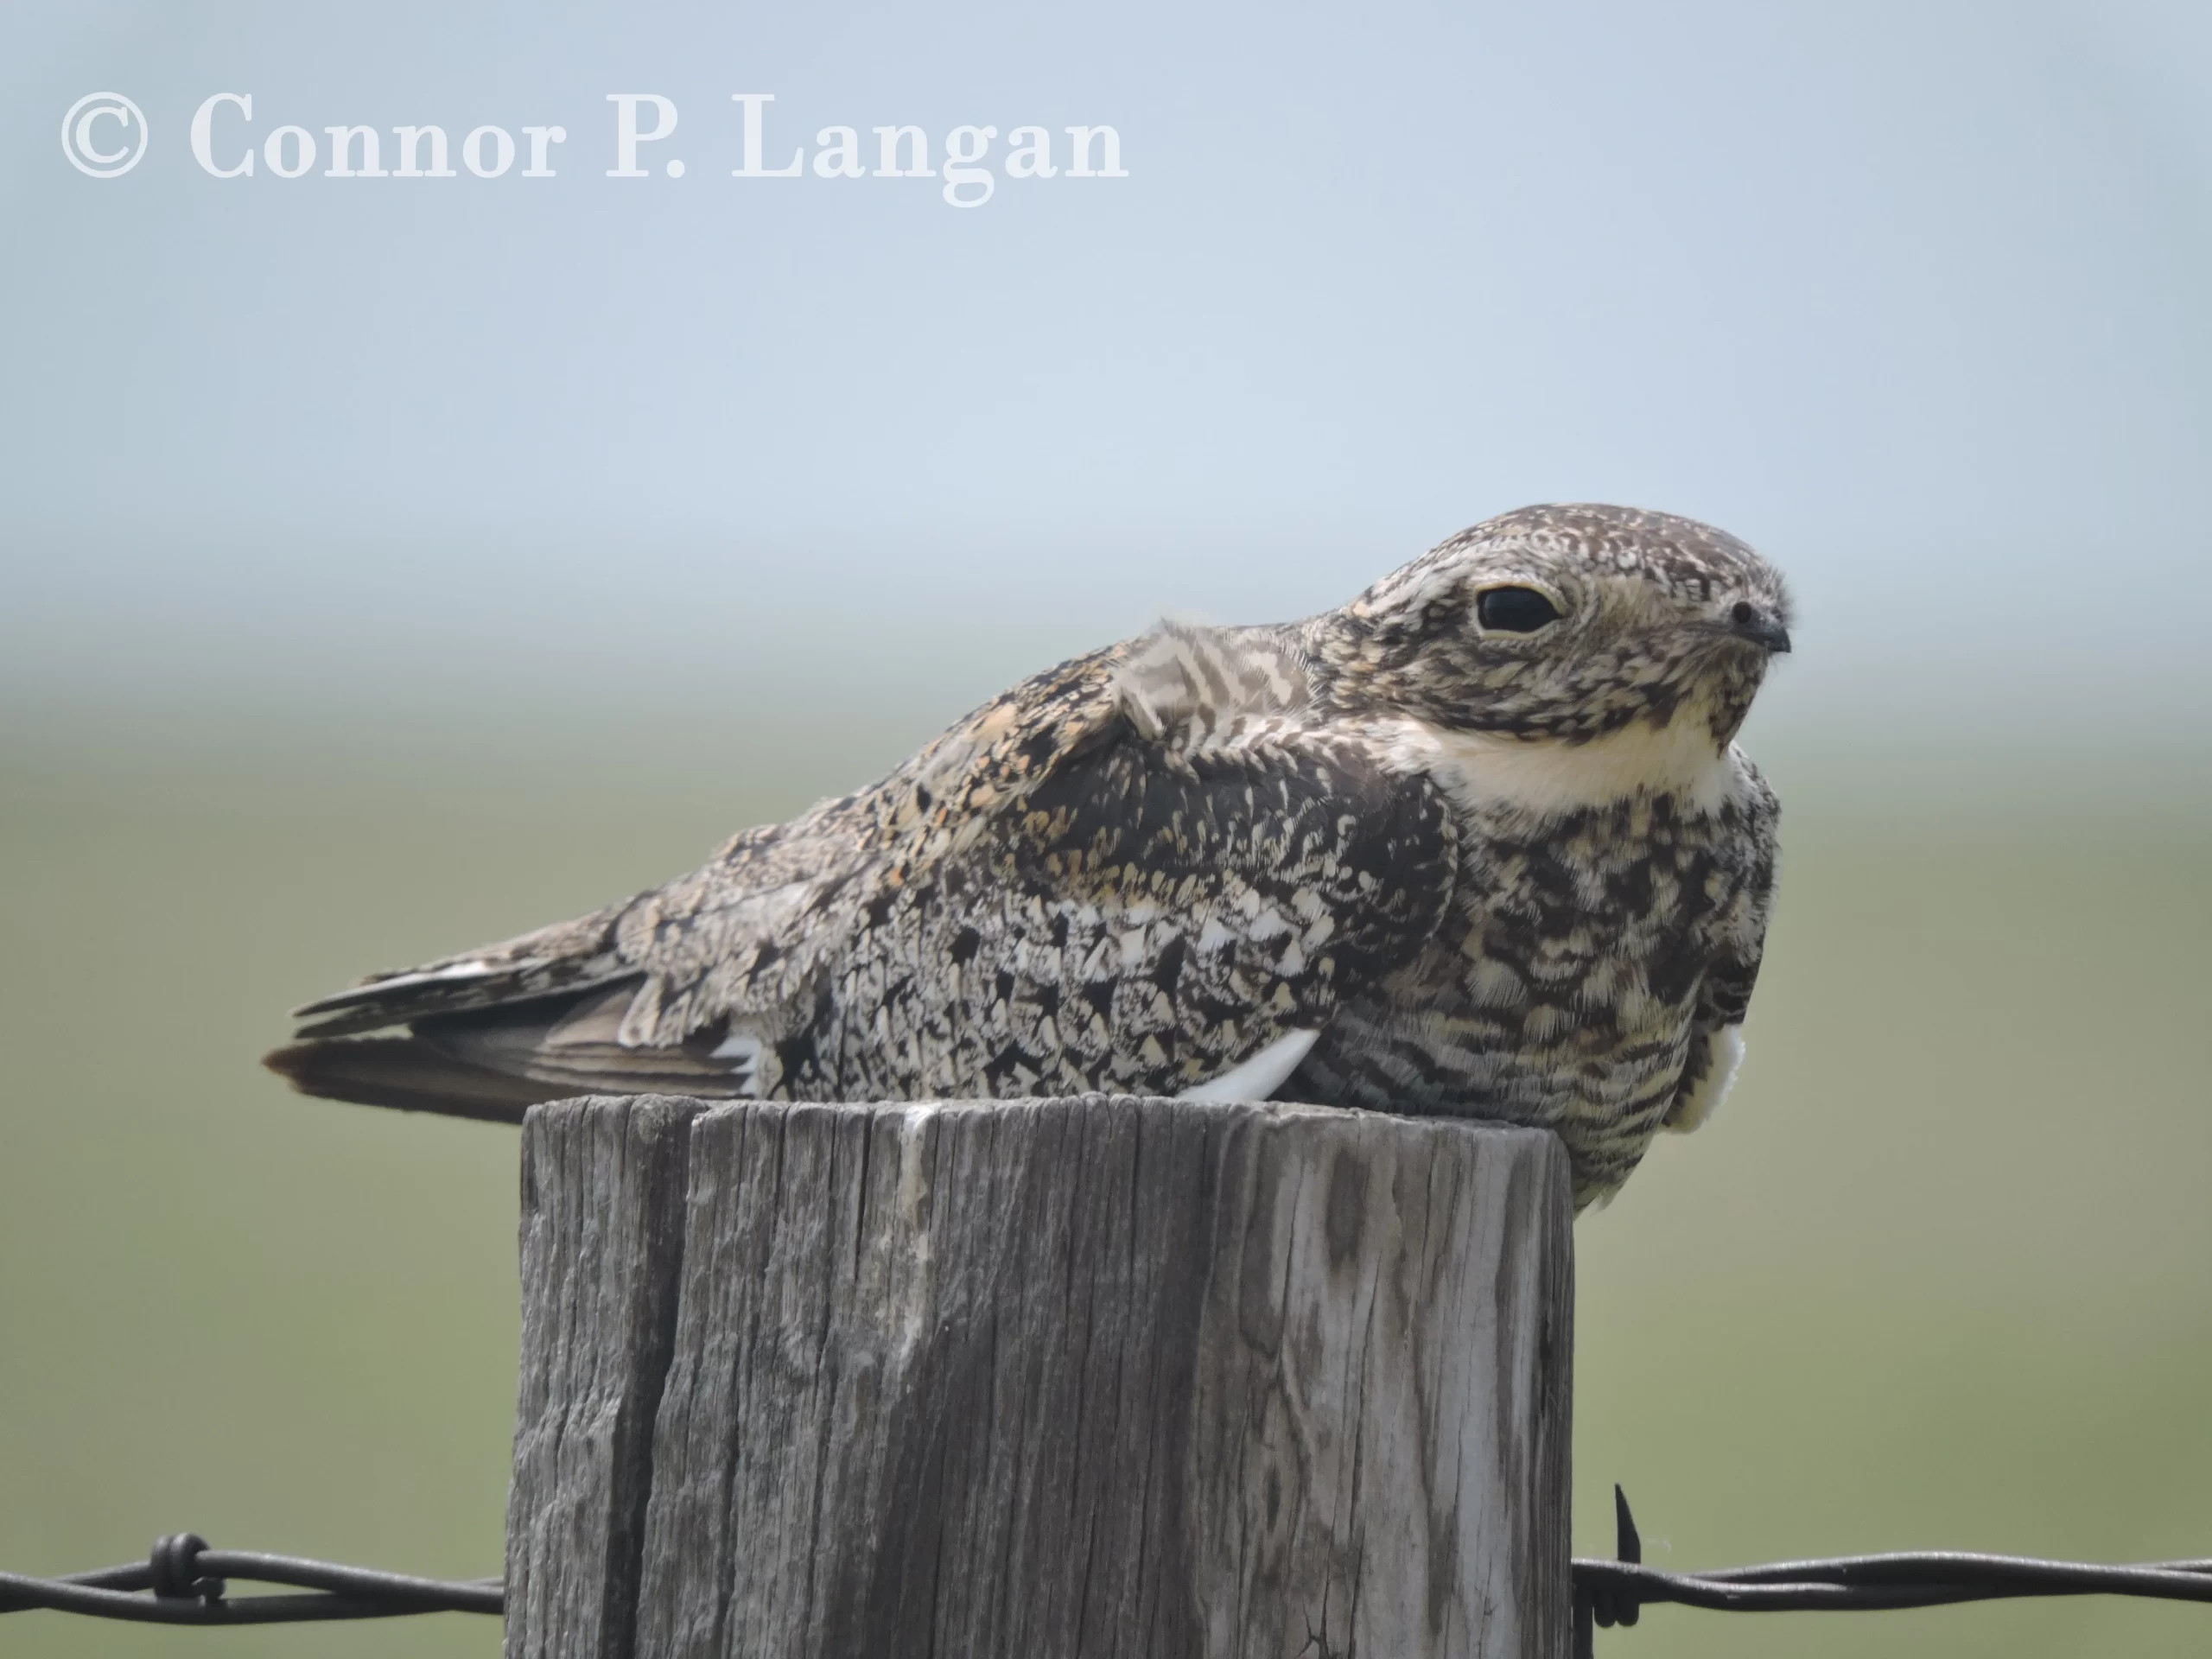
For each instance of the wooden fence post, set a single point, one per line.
(1031, 1380)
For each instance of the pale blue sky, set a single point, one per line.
(1914, 296)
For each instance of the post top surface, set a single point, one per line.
(1286, 1112)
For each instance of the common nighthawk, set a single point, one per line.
(1478, 844)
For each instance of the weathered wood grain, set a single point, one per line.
(602, 1233)
(1096, 1376)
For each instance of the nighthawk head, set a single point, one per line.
(1564, 622)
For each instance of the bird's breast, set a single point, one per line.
(1563, 988)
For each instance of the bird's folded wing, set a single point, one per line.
(1157, 917)
(1047, 898)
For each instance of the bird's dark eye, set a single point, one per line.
(1514, 610)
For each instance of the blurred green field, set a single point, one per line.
(1936, 1277)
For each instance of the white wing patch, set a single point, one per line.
(1258, 1077)
(742, 1051)
(1724, 1054)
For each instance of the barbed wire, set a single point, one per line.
(185, 1581)
(1608, 1593)
(190, 1583)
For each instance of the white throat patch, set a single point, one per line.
(1544, 777)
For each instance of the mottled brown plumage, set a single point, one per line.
(1456, 865)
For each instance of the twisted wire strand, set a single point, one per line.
(190, 1583)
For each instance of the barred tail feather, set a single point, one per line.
(406, 1072)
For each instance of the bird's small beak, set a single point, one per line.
(1763, 628)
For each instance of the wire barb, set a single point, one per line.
(175, 1572)
(1607, 1602)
